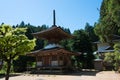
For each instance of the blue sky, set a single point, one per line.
(71, 14)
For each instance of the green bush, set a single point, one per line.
(114, 58)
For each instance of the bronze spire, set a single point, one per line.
(54, 18)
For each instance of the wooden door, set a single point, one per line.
(46, 61)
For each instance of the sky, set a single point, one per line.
(72, 14)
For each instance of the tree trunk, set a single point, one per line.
(8, 70)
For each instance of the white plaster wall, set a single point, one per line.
(39, 63)
(54, 63)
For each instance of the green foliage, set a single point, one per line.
(13, 43)
(109, 61)
(81, 42)
(109, 20)
(4, 67)
(109, 57)
(117, 55)
(32, 29)
(90, 32)
(114, 58)
(99, 31)
(108, 25)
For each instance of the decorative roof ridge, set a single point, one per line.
(45, 30)
(52, 28)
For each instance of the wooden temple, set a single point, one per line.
(53, 56)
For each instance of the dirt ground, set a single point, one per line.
(84, 75)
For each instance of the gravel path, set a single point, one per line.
(103, 75)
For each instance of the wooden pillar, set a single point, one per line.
(50, 59)
(67, 60)
(43, 60)
(70, 60)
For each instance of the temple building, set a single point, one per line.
(105, 47)
(53, 56)
(102, 49)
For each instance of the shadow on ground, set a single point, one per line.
(76, 73)
(11, 75)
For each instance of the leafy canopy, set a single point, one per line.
(13, 42)
(109, 20)
(114, 58)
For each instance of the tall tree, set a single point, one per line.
(13, 43)
(109, 24)
(39, 44)
(90, 32)
(81, 42)
(109, 20)
(22, 24)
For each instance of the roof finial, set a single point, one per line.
(54, 19)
